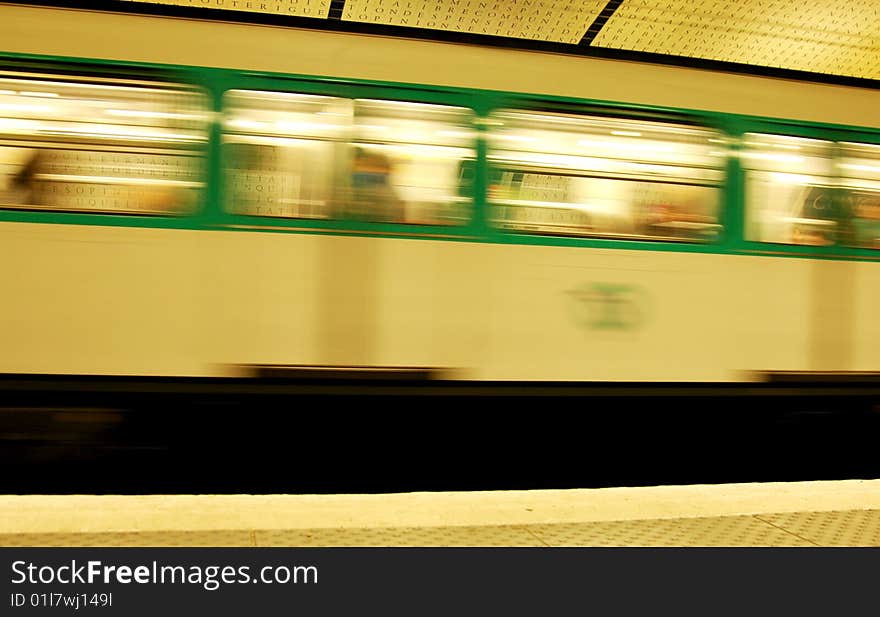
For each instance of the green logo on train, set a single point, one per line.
(609, 306)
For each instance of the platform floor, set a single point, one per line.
(799, 514)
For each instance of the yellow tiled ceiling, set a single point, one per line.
(838, 37)
(294, 8)
(834, 37)
(560, 21)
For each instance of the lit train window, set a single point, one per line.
(789, 190)
(858, 170)
(411, 163)
(304, 156)
(577, 175)
(285, 153)
(108, 146)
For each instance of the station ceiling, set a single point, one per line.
(821, 40)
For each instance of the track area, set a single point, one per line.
(395, 434)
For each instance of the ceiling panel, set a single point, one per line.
(560, 21)
(820, 40)
(290, 8)
(838, 37)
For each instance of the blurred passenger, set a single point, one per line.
(686, 221)
(662, 218)
(808, 235)
(819, 219)
(22, 190)
(374, 198)
(657, 216)
(866, 220)
(457, 212)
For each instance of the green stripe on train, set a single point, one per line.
(212, 215)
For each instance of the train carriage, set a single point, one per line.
(301, 198)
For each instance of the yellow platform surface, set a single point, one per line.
(844, 513)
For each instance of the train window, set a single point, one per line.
(789, 190)
(410, 162)
(283, 153)
(107, 146)
(858, 169)
(578, 175)
(304, 156)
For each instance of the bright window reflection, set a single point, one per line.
(100, 147)
(858, 167)
(411, 163)
(789, 190)
(575, 175)
(303, 156)
(284, 153)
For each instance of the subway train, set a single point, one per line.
(195, 198)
